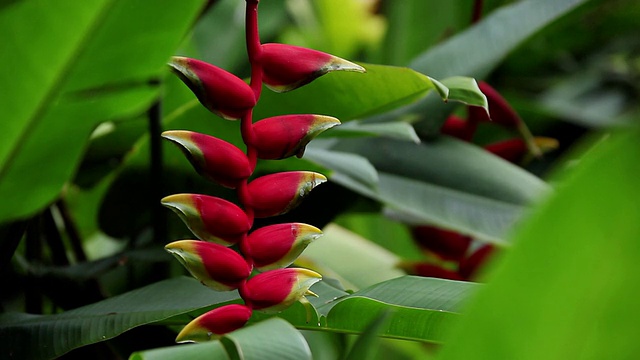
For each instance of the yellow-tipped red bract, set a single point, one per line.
(287, 67)
(276, 194)
(213, 158)
(283, 136)
(276, 290)
(214, 265)
(278, 246)
(211, 325)
(210, 218)
(221, 92)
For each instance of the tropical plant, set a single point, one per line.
(479, 200)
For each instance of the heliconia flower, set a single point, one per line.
(210, 218)
(277, 246)
(469, 266)
(503, 114)
(287, 67)
(459, 128)
(446, 244)
(515, 150)
(211, 325)
(214, 265)
(213, 158)
(425, 269)
(282, 136)
(276, 194)
(500, 111)
(221, 92)
(276, 290)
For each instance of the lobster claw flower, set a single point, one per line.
(211, 325)
(280, 137)
(288, 67)
(210, 218)
(277, 246)
(503, 114)
(446, 244)
(516, 150)
(221, 92)
(276, 194)
(470, 266)
(276, 290)
(215, 159)
(214, 265)
(425, 269)
(459, 128)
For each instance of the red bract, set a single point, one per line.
(278, 193)
(221, 92)
(446, 244)
(278, 246)
(214, 323)
(280, 137)
(501, 112)
(430, 270)
(276, 290)
(212, 264)
(469, 267)
(215, 159)
(287, 67)
(210, 218)
(514, 150)
(459, 128)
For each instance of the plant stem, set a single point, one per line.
(254, 48)
(477, 11)
(72, 232)
(158, 215)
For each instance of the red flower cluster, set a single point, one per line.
(218, 223)
(453, 255)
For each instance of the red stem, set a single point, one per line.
(477, 11)
(254, 48)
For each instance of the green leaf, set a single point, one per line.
(569, 285)
(396, 130)
(420, 308)
(59, 333)
(478, 50)
(465, 90)
(348, 95)
(103, 64)
(357, 262)
(355, 166)
(365, 347)
(429, 183)
(270, 339)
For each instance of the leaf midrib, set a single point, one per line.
(53, 91)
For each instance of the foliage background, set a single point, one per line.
(82, 90)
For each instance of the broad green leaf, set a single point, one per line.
(59, 333)
(356, 128)
(357, 167)
(420, 308)
(465, 90)
(391, 235)
(368, 342)
(103, 64)
(213, 350)
(356, 261)
(270, 339)
(478, 50)
(430, 182)
(568, 288)
(348, 95)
